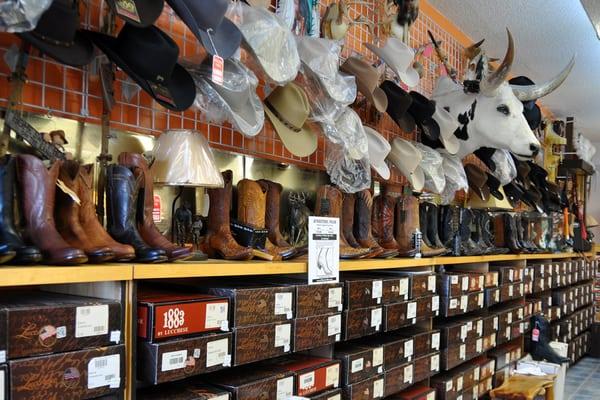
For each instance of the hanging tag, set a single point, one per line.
(218, 66)
(62, 186)
(535, 335)
(127, 9)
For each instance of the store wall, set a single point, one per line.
(593, 206)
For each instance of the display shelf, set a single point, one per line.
(48, 274)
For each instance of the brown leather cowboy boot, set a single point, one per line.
(329, 204)
(218, 240)
(38, 186)
(362, 226)
(66, 215)
(382, 218)
(97, 235)
(272, 214)
(407, 222)
(252, 204)
(149, 232)
(347, 221)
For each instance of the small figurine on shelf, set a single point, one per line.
(183, 223)
(298, 221)
(58, 139)
(196, 231)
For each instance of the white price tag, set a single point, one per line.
(435, 341)
(334, 300)
(307, 380)
(115, 337)
(507, 358)
(464, 302)
(495, 323)
(435, 303)
(511, 274)
(453, 304)
(463, 332)
(197, 353)
(480, 300)
(216, 352)
(283, 304)
(509, 318)
(404, 287)
(449, 386)
(285, 388)
(408, 348)
(334, 325)
(476, 373)
(335, 397)
(377, 290)
(3, 356)
(408, 374)
(357, 365)
(61, 332)
(173, 360)
(497, 295)
(91, 321)
(465, 283)
(282, 335)
(453, 279)
(377, 356)
(376, 318)
(507, 332)
(216, 313)
(431, 283)
(411, 310)
(480, 327)
(479, 345)
(435, 362)
(481, 282)
(332, 375)
(459, 383)
(104, 371)
(510, 290)
(378, 388)
(462, 352)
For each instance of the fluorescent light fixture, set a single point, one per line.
(592, 9)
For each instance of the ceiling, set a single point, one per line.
(546, 34)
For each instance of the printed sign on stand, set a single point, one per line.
(323, 250)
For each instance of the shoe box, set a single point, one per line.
(358, 362)
(362, 291)
(406, 313)
(424, 341)
(187, 391)
(317, 331)
(454, 284)
(399, 378)
(72, 375)
(369, 389)
(335, 394)
(450, 384)
(253, 382)
(505, 354)
(360, 322)
(426, 366)
(397, 350)
(461, 304)
(417, 392)
(4, 384)
(260, 342)
(312, 375)
(508, 274)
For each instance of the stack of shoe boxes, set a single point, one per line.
(59, 341)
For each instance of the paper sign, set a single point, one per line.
(323, 250)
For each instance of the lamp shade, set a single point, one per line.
(183, 158)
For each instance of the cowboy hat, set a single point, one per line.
(407, 158)
(398, 103)
(321, 58)
(206, 19)
(270, 43)
(140, 13)
(447, 125)
(514, 192)
(493, 185)
(367, 80)
(422, 110)
(57, 34)
(531, 110)
(379, 148)
(399, 57)
(149, 57)
(235, 100)
(288, 109)
(477, 181)
(433, 167)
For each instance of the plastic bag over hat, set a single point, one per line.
(432, 165)
(456, 178)
(21, 15)
(350, 175)
(184, 158)
(506, 170)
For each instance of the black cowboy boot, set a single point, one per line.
(511, 234)
(488, 236)
(449, 228)
(433, 216)
(479, 219)
(540, 349)
(423, 222)
(11, 241)
(121, 200)
(467, 245)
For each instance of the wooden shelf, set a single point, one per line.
(48, 274)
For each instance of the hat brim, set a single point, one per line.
(381, 168)
(430, 128)
(180, 85)
(227, 38)
(246, 116)
(417, 179)
(300, 144)
(148, 14)
(482, 192)
(410, 77)
(377, 97)
(451, 144)
(80, 53)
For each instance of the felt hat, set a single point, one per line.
(399, 57)
(367, 81)
(398, 103)
(405, 156)
(379, 148)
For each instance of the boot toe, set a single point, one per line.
(179, 253)
(150, 255)
(99, 254)
(28, 255)
(65, 256)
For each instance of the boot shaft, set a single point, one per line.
(329, 202)
(220, 204)
(347, 221)
(7, 190)
(273, 204)
(407, 218)
(362, 214)
(37, 187)
(139, 166)
(252, 202)
(121, 195)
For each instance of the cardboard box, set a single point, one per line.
(165, 315)
(176, 359)
(261, 342)
(335, 394)
(425, 341)
(367, 290)
(398, 378)
(369, 389)
(426, 366)
(361, 322)
(398, 315)
(453, 284)
(254, 382)
(312, 375)
(34, 323)
(358, 362)
(461, 330)
(313, 332)
(4, 381)
(397, 350)
(187, 391)
(80, 374)
(417, 392)
(462, 304)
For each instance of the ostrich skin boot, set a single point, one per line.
(382, 222)
(89, 220)
(37, 185)
(218, 241)
(252, 206)
(66, 216)
(274, 190)
(347, 221)
(362, 226)
(9, 236)
(121, 205)
(329, 204)
(149, 232)
(408, 211)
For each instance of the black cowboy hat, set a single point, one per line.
(140, 13)
(485, 154)
(493, 184)
(422, 110)
(149, 57)
(206, 19)
(57, 34)
(398, 103)
(531, 110)
(514, 192)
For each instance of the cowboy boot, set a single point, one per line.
(273, 211)
(382, 219)
(467, 245)
(149, 232)
(218, 240)
(499, 230)
(347, 221)
(410, 205)
(477, 233)
(88, 219)
(329, 204)
(66, 215)
(406, 225)
(9, 236)
(449, 228)
(37, 186)
(520, 229)
(252, 204)
(121, 194)
(511, 234)
(541, 350)
(488, 237)
(433, 216)
(423, 221)
(362, 226)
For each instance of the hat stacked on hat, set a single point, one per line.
(478, 181)
(406, 157)
(432, 165)
(456, 178)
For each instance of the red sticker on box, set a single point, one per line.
(218, 65)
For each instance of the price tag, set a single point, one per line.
(464, 302)
(334, 298)
(431, 283)
(377, 356)
(453, 279)
(511, 274)
(465, 283)
(476, 373)
(332, 375)
(509, 318)
(282, 336)
(216, 352)
(404, 288)
(435, 303)
(463, 332)
(479, 345)
(357, 365)
(459, 383)
(285, 388)
(334, 325)
(497, 295)
(462, 352)
(411, 310)
(376, 318)
(495, 323)
(91, 321)
(435, 362)
(378, 388)
(218, 65)
(408, 374)
(453, 304)
(507, 332)
(480, 300)
(377, 290)
(283, 304)
(449, 386)
(435, 341)
(408, 348)
(104, 371)
(216, 313)
(481, 282)
(510, 290)
(480, 327)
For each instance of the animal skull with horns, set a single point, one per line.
(494, 116)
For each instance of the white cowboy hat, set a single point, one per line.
(448, 125)
(399, 57)
(407, 158)
(379, 148)
(432, 164)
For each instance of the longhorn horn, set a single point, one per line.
(494, 80)
(533, 92)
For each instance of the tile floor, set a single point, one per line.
(583, 380)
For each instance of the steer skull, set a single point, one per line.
(494, 116)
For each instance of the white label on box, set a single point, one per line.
(227, 362)
(332, 375)
(453, 279)
(507, 332)
(334, 300)
(335, 397)
(435, 303)
(104, 371)
(357, 365)
(497, 295)
(476, 373)
(307, 380)
(475, 391)
(115, 337)
(197, 353)
(520, 312)
(480, 327)
(480, 300)
(411, 310)
(464, 302)
(511, 274)
(376, 318)
(521, 288)
(216, 313)
(408, 374)
(448, 386)
(453, 304)
(479, 345)
(408, 348)
(435, 362)
(334, 325)
(481, 282)
(225, 325)
(173, 360)
(91, 321)
(463, 332)
(509, 317)
(510, 290)
(216, 351)
(462, 352)
(404, 287)
(3, 356)
(459, 383)
(283, 303)
(493, 340)
(470, 326)
(377, 356)
(465, 283)
(378, 388)
(282, 335)
(2, 388)
(285, 388)
(507, 358)
(431, 396)
(435, 341)
(61, 332)
(377, 290)
(549, 282)
(495, 323)
(549, 301)
(431, 283)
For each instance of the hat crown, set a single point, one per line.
(208, 14)
(475, 175)
(148, 51)
(237, 98)
(364, 72)
(291, 104)
(421, 107)
(59, 23)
